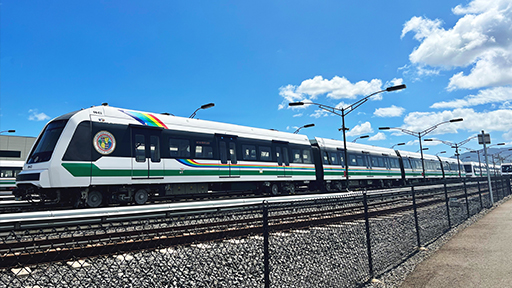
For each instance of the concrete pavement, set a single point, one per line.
(478, 256)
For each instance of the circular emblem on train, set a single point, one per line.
(104, 142)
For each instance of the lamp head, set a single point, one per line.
(296, 104)
(456, 120)
(395, 88)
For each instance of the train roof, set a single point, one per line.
(109, 114)
(331, 143)
(449, 160)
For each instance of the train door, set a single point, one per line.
(228, 159)
(283, 161)
(146, 157)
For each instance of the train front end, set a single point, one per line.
(42, 175)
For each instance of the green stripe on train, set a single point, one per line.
(88, 170)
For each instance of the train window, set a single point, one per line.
(203, 150)
(394, 163)
(155, 148)
(325, 158)
(140, 148)
(265, 153)
(374, 161)
(381, 162)
(232, 152)
(306, 156)
(249, 152)
(179, 148)
(4, 173)
(296, 156)
(333, 156)
(407, 163)
(45, 145)
(357, 160)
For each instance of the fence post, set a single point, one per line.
(368, 239)
(416, 217)
(467, 198)
(447, 205)
(266, 254)
(480, 195)
(508, 185)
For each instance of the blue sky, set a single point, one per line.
(251, 58)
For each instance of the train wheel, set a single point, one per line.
(94, 199)
(274, 189)
(140, 197)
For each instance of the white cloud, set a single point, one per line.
(298, 115)
(493, 95)
(378, 136)
(320, 113)
(392, 111)
(36, 116)
(481, 39)
(498, 120)
(363, 128)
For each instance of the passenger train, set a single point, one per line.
(9, 169)
(104, 155)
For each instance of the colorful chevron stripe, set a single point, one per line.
(194, 164)
(145, 118)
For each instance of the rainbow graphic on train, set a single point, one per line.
(145, 118)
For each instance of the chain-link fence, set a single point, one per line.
(341, 241)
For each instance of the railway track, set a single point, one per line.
(64, 237)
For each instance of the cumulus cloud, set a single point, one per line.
(493, 95)
(36, 116)
(378, 136)
(392, 111)
(498, 120)
(363, 128)
(481, 39)
(335, 88)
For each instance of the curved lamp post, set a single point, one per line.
(7, 131)
(360, 137)
(421, 134)
(305, 126)
(205, 106)
(345, 111)
(456, 146)
(398, 144)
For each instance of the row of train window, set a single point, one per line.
(336, 158)
(355, 159)
(8, 172)
(204, 149)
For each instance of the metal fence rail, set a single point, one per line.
(341, 241)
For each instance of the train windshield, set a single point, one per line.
(46, 143)
(468, 168)
(506, 168)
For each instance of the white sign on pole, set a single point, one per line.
(483, 137)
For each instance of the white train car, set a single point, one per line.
(9, 169)
(368, 165)
(107, 154)
(451, 168)
(506, 169)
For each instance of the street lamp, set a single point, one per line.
(343, 111)
(360, 137)
(305, 126)
(456, 146)
(398, 144)
(7, 131)
(442, 152)
(205, 106)
(421, 134)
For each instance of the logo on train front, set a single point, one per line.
(104, 142)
